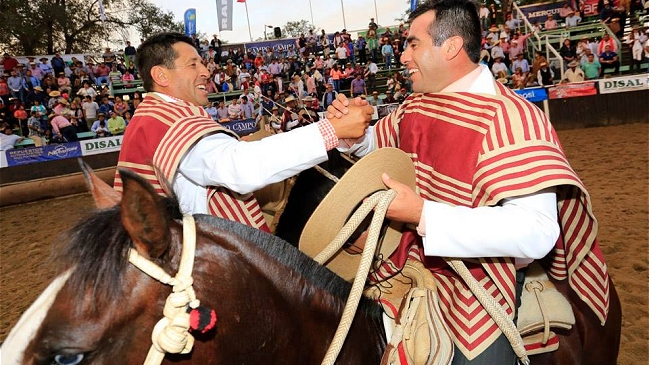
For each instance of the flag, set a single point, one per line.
(413, 5)
(102, 14)
(224, 14)
(190, 22)
(241, 1)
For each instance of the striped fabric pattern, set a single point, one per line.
(159, 135)
(475, 150)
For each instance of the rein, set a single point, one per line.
(171, 333)
(379, 202)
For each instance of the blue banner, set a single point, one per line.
(23, 156)
(540, 12)
(413, 5)
(190, 22)
(533, 95)
(241, 127)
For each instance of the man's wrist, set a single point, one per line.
(328, 134)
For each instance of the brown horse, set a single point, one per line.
(274, 305)
(587, 343)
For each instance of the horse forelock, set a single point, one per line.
(319, 276)
(98, 248)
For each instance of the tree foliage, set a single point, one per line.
(296, 28)
(30, 27)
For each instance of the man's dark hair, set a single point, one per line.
(158, 51)
(454, 18)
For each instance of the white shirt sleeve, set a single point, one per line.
(522, 227)
(244, 167)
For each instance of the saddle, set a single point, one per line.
(419, 333)
(543, 308)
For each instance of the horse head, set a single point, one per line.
(273, 304)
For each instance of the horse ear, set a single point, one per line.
(103, 194)
(144, 216)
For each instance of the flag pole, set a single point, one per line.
(343, 9)
(248, 17)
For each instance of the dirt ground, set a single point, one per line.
(612, 162)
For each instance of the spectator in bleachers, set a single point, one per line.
(592, 68)
(116, 124)
(608, 59)
(606, 12)
(388, 52)
(212, 111)
(389, 97)
(499, 69)
(45, 67)
(120, 107)
(329, 96)
(358, 86)
(568, 52)
(127, 78)
(8, 139)
(129, 55)
(36, 131)
(513, 23)
(86, 90)
(545, 75)
(109, 58)
(63, 130)
(36, 71)
(4, 91)
(64, 83)
(536, 27)
(522, 63)
(17, 86)
(373, 99)
(101, 130)
(550, 23)
(494, 15)
(572, 20)
(341, 53)
(636, 41)
(90, 110)
(483, 13)
(101, 73)
(114, 75)
(565, 11)
(58, 64)
(8, 62)
(519, 79)
(574, 73)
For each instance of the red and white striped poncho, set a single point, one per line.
(160, 134)
(474, 150)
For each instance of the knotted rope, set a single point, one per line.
(171, 333)
(378, 202)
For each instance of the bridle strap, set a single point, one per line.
(171, 333)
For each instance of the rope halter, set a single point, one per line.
(171, 333)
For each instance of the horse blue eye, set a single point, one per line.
(68, 359)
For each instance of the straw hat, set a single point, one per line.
(307, 99)
(289, 99)
(503, 80)
(573, 64)
(55, 94)
(493, 29)
(38, 88)
(363, 179)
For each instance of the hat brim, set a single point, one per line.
(359, 182)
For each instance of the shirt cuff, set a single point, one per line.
(328, 134)
(421, 227)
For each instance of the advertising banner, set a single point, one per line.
(622, 84)
(224, 14)
(275, 44)
(190, 22)
(562, 91)
(533, 94)
(242, 127)
(25, 156)
(540, 12)
(101, 145)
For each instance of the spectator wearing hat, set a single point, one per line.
(499, 69)
(374, 99)
(545, 75)
(372, 24)
(64, 83)
(574, 73)
(44, 66)
(550, 23)
(36, 130)
(572, 20)
(36, 71)
(521, 62)
(101, 118)
(329, 96)
(388, 52)
(116, 124)
(308, 113)
(389, 97)
(495, 15)
(291, 119)
(62, 129)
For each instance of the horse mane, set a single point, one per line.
(99, 245)
(98, 249)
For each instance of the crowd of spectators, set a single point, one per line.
(49, 98)
(505, 49)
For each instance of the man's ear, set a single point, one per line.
(160, 76)
(452, 47)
